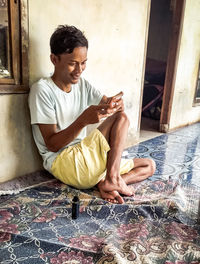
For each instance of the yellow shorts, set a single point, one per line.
(83, 165)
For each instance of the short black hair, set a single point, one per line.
(65, 38)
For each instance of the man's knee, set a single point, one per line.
(152, 166)
(122, 116)
(148, 164)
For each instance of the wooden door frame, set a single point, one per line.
(172, 61)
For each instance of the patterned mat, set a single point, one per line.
(160, 224)
(25, 182)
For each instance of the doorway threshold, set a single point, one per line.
(149, 129)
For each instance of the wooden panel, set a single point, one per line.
(24, 43)
(7, 81)
(18, 21)
(174, 46)
(13, 88)
(15, 38)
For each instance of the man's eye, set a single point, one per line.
(72, 64)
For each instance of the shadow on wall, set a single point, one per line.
(40, 65)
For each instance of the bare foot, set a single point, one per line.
(112, 196)
(118, 185)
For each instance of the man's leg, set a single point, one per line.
(115, 129)
(143, 169)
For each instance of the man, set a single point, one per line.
(63, 105)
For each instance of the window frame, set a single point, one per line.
(18, 33)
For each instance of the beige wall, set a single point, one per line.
(183, 111)
(18, 155)
(116, 31)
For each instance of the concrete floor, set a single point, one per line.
(149, 129)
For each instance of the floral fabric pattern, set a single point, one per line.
(141, 229)
(159, 225)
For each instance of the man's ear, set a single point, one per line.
(53, 58)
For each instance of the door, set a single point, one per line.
(165, 26)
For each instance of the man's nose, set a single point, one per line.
(79, 68)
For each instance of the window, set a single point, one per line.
(197, 93)
(13, 47)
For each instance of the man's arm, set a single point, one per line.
(56, 140)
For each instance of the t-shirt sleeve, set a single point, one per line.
(41, 105)
(94, 95)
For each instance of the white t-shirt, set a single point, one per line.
(50, 105)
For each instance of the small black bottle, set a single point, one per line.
(75, 207)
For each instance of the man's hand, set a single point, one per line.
(94, 113)
(115, 101)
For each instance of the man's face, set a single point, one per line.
(69, 66)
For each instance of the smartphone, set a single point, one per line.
(118, 96)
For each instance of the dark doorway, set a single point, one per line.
(160, 27)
